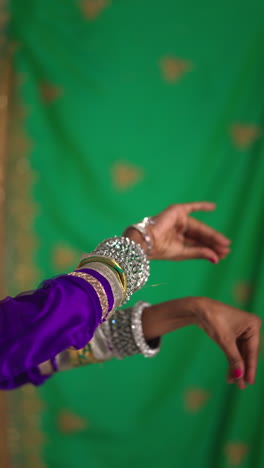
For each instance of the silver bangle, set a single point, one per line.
(142, 228)
(124, 334)
(130, 256)
(137, 330)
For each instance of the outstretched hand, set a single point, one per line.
(175, 235)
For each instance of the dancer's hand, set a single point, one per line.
(236, 332)
(177, 236)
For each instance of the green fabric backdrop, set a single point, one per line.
(134, 105)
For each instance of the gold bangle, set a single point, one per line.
(98, 289)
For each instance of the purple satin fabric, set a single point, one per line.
(36, 326)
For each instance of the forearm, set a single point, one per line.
(159, 319)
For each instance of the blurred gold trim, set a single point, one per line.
(24, 404)
(4, 114)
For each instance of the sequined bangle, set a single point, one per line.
(121, 336)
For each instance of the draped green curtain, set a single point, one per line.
(129, 106)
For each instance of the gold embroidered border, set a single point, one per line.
(4, 96)
(26, 439)
(82, 357)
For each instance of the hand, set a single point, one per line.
(236, 332)
(177, 236)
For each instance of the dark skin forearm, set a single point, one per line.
(159, 319)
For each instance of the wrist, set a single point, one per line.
(200, 310)
(159, 319)
(184, 312)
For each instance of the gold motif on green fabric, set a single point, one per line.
(49, 92)
(125, 176)
(69, 422)
(242, 292)
(93, 8)
(244, 135)
(235, 453)
(195, 399)
(64, 256)
(173, 68)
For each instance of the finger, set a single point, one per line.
(185, 208)
(250, 353)
(221, 251)
(205, 234)
(236, 363)
(240, 383)
(199, 252)
(199, 206)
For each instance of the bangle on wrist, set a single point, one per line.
(142, 228)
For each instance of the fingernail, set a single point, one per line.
(237, 373)
(212, 260)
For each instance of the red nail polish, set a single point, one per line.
(237, 373)
(212, 260)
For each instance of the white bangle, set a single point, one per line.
(137, 330)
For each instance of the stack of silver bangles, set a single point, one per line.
(122, 336)
(130, 256)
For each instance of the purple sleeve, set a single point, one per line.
(36, 326)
